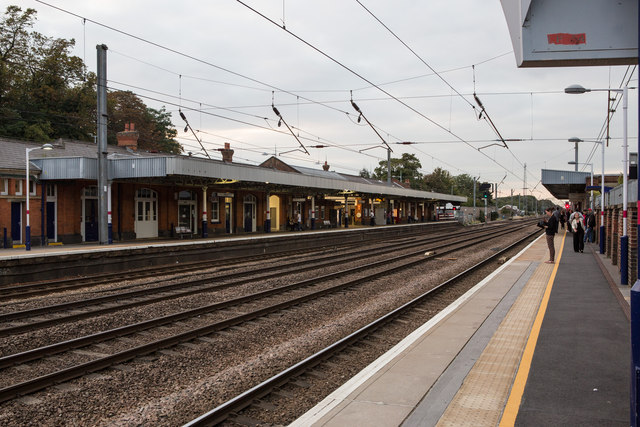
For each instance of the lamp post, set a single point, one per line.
(624, 240)
(590, 164)
(27, 231)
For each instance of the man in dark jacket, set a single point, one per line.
(551, 228)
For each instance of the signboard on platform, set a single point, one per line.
(562, 33)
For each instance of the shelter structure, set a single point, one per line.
(156, 195)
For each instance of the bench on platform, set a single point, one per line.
(182, 231)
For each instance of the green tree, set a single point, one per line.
(46, 93)
(406, 167)
(439, 181)
(365, 173)
(42, 87)
(154, 126)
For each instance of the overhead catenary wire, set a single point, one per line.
(487, 117)
(42, 2)
(275, 110)
(374, 85)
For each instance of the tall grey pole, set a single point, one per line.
(474, 197)
(103, 232)
(576, 155)
(495, 198)
(389, 166)
(524, 190)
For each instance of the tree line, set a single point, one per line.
(406, 170)
(46, 93)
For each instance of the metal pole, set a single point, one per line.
(634, 407)
(27, 230)
(109, 216)
(267, 222)
(205, 230)
(313, 212)
(524, 191)
(602, 236)
(592, 206)
(576, 155)
(389, 166)
(495, 196)
(485, 211)
(624, 240)
(474, 197)
(102, 144)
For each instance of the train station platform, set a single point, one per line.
(534, 344)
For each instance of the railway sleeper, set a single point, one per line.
(268, 406)
(245, 420)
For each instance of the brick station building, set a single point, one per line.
(157, 195)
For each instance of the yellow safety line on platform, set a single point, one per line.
(515, 397)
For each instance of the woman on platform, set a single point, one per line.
(577, 225)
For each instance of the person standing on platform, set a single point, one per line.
(577, 225)
(563, 219)
(551, 228)
(590, 222)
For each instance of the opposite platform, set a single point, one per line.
(459, 368)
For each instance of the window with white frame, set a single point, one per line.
(215, 210)
(4, 187)
(32, 187)
(52, 192)
(18, 187)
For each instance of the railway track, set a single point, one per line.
(253, 397)
(77, 357)
(31, 289)
(129, 299)
(374, 270)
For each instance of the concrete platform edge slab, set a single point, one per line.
(429, 411)
(343, 394)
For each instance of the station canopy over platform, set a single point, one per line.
(562, 183)
(73, 160)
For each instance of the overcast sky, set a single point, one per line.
(220, 62)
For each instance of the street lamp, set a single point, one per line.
(27, 233)
(624, 240)
(590, 164)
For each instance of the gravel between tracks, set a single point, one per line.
(174, 386)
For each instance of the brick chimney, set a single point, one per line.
(129, 137)
(227, 153)
(325, 167)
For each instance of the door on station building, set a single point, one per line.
(274, 211)
(16, 222)
(146, 224)
(187, 211)
(249, 213)
(90, 220)
(51, 221)
(52, 212)
(90, 214)
(228, 214)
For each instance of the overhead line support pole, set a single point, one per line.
(103, 233)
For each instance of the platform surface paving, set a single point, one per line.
(460, 367)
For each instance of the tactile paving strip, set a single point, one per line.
(483, 395)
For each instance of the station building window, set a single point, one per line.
(215, 210)
(147, 205)
(4, 187)
(18, 187)
(32, 187)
